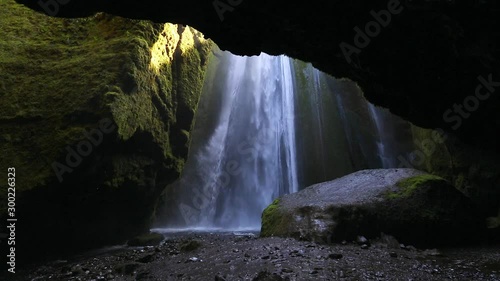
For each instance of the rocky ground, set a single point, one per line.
(245, 256)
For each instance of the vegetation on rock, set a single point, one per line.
(272, 219)
(409, 185)
(59, 78)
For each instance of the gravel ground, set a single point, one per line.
(245, 256)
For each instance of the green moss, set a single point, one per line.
(472, 170)
(59, 77)
(190, 245)
(409, 185)
(149, 239)
(273, 222)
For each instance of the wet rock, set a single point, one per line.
(361, 240)
(389, 241)
(432, 253)
(414, 206)
(77, 270)
(193, 259)
(410, 248)
(190, 245)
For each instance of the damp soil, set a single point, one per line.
(245, 256)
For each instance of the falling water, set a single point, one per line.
(268, 126)
(249, 157)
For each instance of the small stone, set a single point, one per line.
(389, 241)
(286, 270)
(432, 252)
(193, 259)
(343, 242)
(247, 255)
(393, 254)
(335, 256)
(362, 240)
(365, 246)
(219, 278)
(265, 257)
(410, 248)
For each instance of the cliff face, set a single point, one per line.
(434, 63)
(95, 116)
(472, 170)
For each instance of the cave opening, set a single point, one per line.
(268, 126)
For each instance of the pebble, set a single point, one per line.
(335, 256)
(219, 278)
(362, 240)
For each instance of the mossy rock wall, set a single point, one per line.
(60, 78)
(472, 170)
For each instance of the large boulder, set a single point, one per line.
(415, 207)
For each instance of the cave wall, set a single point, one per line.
(433, 63)
(95, 115)
(418, 58)
(472, 170)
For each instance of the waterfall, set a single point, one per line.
(388, 160)
(268, 126)
(249, 157)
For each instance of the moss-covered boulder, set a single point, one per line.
(95, 115)
(415, 207)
